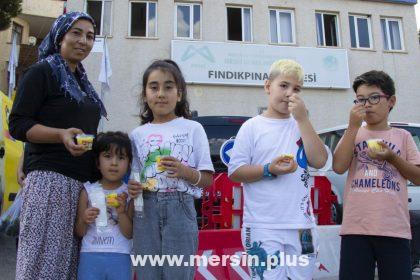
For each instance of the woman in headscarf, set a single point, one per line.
(55, 101)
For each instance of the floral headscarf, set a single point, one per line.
(49, 51)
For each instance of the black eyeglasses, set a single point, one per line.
(373, 100)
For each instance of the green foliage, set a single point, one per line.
(8, 10)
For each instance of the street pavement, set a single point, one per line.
(8, 259)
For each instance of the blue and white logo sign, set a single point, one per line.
(226, 150)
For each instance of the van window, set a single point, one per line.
(332, 138)
(415, 132)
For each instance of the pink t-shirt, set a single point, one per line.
(375, 196)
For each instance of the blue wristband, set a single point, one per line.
(267, 173)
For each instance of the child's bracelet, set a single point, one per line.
(199, 178)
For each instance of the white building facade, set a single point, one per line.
(225, 47)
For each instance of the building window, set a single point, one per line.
(17, 31)
(143, 19)
(360, 32)
(392, 34)
(100, 10)
(282, 26)
(239, 24)
(327, 30)
(188, 21)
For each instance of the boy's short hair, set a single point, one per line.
(286, 67)
(376, 78)
(106, 141)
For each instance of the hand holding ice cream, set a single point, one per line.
(173, 167)
(112, 200)
(86, 140)
(374, 145)
(379, 150)
(283, 164)
(122, 201)
(159, 166)
(67, 137)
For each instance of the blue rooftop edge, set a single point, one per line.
(410, 2)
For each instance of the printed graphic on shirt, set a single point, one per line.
(112, 216)
(305, 207)
(374, 175)
(259, 264)
(306, 242)
(301, 156)
(106, 237)
(103, 240)
(153, 148)
(262, 256)
(260, 261)
(302, 161)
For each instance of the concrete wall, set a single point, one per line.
(130, 56)
(5, 47)
(43, 8)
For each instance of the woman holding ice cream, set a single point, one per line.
(55, 102)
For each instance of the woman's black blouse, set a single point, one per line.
(39, 101)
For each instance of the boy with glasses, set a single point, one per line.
(379, 159)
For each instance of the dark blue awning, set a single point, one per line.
(409, 2)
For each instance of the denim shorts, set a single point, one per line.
(168, 227)
(99, 266)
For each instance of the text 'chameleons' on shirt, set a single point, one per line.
(375, 196)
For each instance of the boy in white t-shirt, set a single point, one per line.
(270, 159)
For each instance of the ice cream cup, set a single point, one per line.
(86, 140)
(374, 145)
(111, 200)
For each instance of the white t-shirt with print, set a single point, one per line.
(183, 139)
(275, 203)
(110, 240)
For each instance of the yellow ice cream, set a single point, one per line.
(373, 144)
(111, 200)
(150, 185)
(86, 140)
(288, 156)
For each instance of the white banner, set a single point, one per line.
(98, 45)
(13, 63)
(248, 64)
